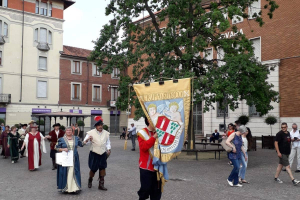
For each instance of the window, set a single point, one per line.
(76, 91)
(76, 67)
(0, 58)
(114, 93)
(3, 3)
(254, 9)
(253, 112)
(115, 73)
(43, 35)
(36, 35)
(42, 89)
(37, 7)
(49, 37)
(96, 71)
(257, 48)
(5, 29)
(42, 63)
(43, 10)
(96, 93)
(220, 56)
(220, 112)
(50, 10)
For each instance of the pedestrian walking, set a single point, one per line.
(247, 142)
(4, 140)
(132, 131)
(22, 131)
(236, 143)
(283, 149)
(35, 145)
(69, 178)
(99, 152)
(76, 130)
(53, 136)
(150, 186)
(13, 144)
(295, 136)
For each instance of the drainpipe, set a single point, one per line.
(87, 82)
(22, 54)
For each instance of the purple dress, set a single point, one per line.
(4, 139)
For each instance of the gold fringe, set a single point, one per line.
(125, 145)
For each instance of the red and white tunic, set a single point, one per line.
(146, 144)
(34, 145)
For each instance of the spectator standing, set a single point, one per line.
(4, 141)
(214, 136)
(283, 148)
(295, 136)
(132, 131)
(235, 142)
(76, 130)
(230, 129)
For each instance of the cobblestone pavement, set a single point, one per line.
(190, 179)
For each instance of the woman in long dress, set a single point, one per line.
(13, 144)
(4, 139)
(69, 178)
(35, 144)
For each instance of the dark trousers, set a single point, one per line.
(149, 185)
(133, 138)
(234, 175)
(20, 146)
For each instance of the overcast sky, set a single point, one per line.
(83, 22)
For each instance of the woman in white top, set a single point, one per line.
(247, 141)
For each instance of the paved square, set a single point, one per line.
(190, 179)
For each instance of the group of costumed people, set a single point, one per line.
(68, 178)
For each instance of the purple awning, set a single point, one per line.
(40, 110)
(76, 111)
(96, 112)
(113, 112)
(2, 110)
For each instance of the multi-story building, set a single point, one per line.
(277, 44)
(84, 89)
(31, 37)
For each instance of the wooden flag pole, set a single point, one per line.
(192, 115)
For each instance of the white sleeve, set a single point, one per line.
(26, 144)
(86, 137)
(108, 146)
(43, 146)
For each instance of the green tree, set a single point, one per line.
(271, 120)
(191, 27)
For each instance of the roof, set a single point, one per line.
(204, 2)
(76, 52)
(68, 3)
(60, 114)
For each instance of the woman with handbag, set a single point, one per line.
(235, 142)
(69, 178)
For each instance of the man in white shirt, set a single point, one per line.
(295, 136)
(99, 152)
(22, 132)
(133, 136)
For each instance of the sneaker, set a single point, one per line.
(230, 183)
(297, 171)
(278, 180)
(295, 182)
(12, 162)
(237, 185)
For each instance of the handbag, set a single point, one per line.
(225, 146)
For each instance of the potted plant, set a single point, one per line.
(105, 127)
(268, 141)
(271, 120)
(243, 119)
(62, 127)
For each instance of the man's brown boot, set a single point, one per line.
(102, 173)
(92, 174)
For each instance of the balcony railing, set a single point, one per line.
(43, 46)
(2, 40)
(5, 98)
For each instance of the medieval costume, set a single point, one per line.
(4, 140)
(69, 178)
(13, 141)
(22, 132)
(55, 135)
(148, 177)
(99, 152)
(35, 144)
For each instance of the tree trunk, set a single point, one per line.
(191, 137)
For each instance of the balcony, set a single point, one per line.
(43, 46)
(2, 40)
(111, 103)
(5, 98)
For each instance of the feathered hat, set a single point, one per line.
(99, 121)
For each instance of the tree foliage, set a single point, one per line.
(243, 119)
(144, 50)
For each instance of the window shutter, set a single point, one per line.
(50, 37)
(94, 70)
(43, 35)
(0, 85)
(42, 89)
(254, 8)
(220, 56)
(0, 57)
(5, 33)
(0, 27)
(36, 34)
(43, 63)
(5, 3)
(257, 49)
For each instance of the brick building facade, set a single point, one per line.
(275, 44)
